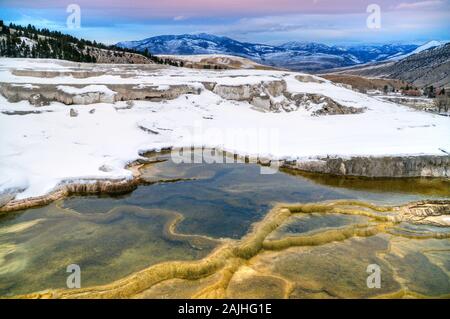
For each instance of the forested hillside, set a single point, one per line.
(31, 42)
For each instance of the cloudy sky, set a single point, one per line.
(264, 21)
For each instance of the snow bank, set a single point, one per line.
(87, 89)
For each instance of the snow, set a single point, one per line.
(169, 76)
(27, 86)
(428, 45)
(28, 42)
(87, 89)
(423, 47)
(40, 151)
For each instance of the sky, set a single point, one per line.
(258, 21)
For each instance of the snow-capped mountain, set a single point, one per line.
(423, 47)
(292, 55)
(199, 44)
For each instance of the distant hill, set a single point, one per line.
(364, 84)
(298, 56)
(30, 42)
(425, 68)
(214, 61)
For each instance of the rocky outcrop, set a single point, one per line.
(73, 113)
(99, 187)
(43, 94)
(427, 208)
(246, 92)
(433, 212)
(38, 100)
(309, 78)
(259, 95)
(53, 74)
(272, 96)
(105, 186)
(388, 166)
(320, 104)
(266, 96)
(434, 166)
(152, 92)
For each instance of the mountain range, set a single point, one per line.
(297, 56)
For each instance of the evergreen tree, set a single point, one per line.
(430, 92)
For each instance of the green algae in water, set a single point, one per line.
(111, 237)
(333, 270)
(313, 223)
(417, 231)
(106, 246)
(421, 265)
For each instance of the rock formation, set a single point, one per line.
(389, 166)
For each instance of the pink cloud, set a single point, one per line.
(419, 4)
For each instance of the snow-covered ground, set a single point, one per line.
(40, 151)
